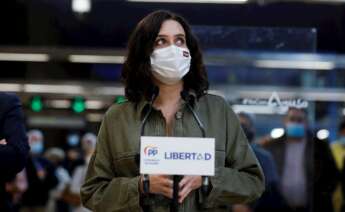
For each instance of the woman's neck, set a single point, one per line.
(168, 102)
(168, 94)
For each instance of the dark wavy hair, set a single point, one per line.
(136, 71)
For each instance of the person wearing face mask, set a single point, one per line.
(88, 144)
(40, 173)
(305, 165)
(74, 156)
(164, 72)
(338, 150)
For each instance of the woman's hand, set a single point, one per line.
(159, 184)
(188, 184)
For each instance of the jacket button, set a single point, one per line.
(178, 115)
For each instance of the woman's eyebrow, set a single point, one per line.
(161, 35)
(180, 35)
(177, 35)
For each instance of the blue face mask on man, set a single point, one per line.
(37, 147)
(295, 130)
(73, 140)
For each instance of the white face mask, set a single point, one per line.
(170, 64)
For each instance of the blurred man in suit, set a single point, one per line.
(306, 167)
(14, 147)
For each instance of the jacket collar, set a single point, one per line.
(143, 106)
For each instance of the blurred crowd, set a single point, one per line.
(52, 177)
(302, 172)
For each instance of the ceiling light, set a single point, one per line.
(322, 134)
(277, 132)
(24, 57)
(291, 64)
(81, 6)
(96, 59)
(195, 1)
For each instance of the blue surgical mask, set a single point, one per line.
(37, 147)
(295, 130)
(73, 140)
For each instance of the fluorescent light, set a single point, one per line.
(39, 88)
(324, 95)
(10, 87)
(195, 1)
(290, 64)
(24, 57)
(96, 59)
(60, 104)
(57, 121)
(94, 104)
(322, 134)
(277, 132)
(63, 89)
(109, 90)
(327, 1)
(81, 6)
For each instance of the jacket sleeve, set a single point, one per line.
(14, 154)
(242, 179)
(103, 190)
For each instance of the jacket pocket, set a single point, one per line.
(127, 164)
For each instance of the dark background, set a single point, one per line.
(53, 23)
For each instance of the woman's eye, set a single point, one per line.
(180, 42)
(159, 42)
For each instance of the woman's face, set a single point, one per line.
(171, 32)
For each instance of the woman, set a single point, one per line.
(163, 53)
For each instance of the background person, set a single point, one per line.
(14, 148)
(40, 174)
(306, 167)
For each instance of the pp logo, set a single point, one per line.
(150, 151)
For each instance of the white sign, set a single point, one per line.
(177, 155)
(276, 101)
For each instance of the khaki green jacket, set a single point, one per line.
(112, 178)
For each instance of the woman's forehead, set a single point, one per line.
(171, 28)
